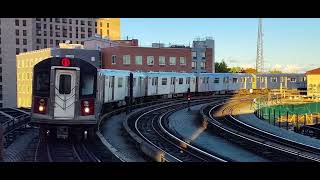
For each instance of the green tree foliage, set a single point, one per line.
(236, 70)
(221, 67)
(275, 72)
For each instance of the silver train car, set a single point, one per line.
(70, 95)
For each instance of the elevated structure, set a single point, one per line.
(259, 59)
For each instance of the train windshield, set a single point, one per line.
(42, 82)
(87, 84)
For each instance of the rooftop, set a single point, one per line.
(313, 71)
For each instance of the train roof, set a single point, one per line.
(284, 74)
(169, 74)
(222, 74)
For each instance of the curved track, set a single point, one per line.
(275, 147)
(148, 125)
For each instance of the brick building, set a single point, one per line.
(137, 58)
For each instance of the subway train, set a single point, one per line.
(69, 95)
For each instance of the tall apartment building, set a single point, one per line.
(200, 50)
(27, 34)
(109, 27)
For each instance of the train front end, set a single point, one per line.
(64, 98)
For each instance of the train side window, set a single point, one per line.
(180, 80)
(188, 80)
(120, 80)
(164, 81)
(65, 84)
(235, 80)
(216, 80)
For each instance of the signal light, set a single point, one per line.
(87, 107)
(65, 62)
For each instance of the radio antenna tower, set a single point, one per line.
(259, 60)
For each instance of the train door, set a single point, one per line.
(65, 83)
(172, 80)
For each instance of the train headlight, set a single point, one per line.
(86, 109)
(41, 108)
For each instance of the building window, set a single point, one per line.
(17, 22)
(194, 55)
(45, 41)
(108, 32)
(57, 34)
(180, 80)
(45, 19)
(139, 60)
(57, 20)
(107, 25)
(24, 23)
(50, 26)
(38, 47)
(51, 41)
(24, 41)
(82, 29)
(17, 41)
(45, 26)
(113, 59)
(64, 20)
(100, 24)
(203, 55)
(150, 60)
(25, 50)
(70, 21)
(0, 60)
(38, 19)
(57, 42)
(203, 65)
(24, 32)
(38, 41)
(162, 60)
(17, 50)
(70, 28)
(44, 33)
(126, 59)
(70, 35)
(182, 61)
(194, 65)
(17, 32)
(164, 81)
(89, 23)
(95, 24)
(172, 60)
(83, 36)
(82, 22)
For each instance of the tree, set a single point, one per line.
(221, 67)
(250, 71)
(275, 72)
(236, 70)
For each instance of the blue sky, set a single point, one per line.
(292, 45)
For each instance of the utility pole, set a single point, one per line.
(259, 59)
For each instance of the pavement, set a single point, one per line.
(186, 124)
(245, 113)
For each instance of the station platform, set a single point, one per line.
(244, 113)
(187, 124)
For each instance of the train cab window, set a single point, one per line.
(216, 80)
(65, 84)
(87, 85)
(180, 80)
(164, 81)
(120, 81)
(42, 81)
